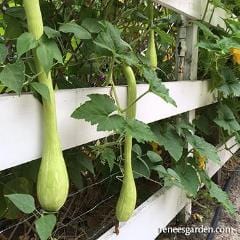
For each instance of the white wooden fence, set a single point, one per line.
(20, 123)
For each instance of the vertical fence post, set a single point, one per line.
(186, 69)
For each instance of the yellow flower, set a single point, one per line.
(156, 148)
(201, 160)
(236, 55)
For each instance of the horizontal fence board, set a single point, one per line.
(225, 152)
(160, 209)
(195, 9)
(20, 118)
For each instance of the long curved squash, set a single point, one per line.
(151, 50)
(53, 182)
(128, 195)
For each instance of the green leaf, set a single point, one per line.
(154, 157)
(108, 155)
(45, 57)
(13, 76)
(140, 168)
(130, 58)
(209, 46)
(92, 25)
(42, 89)
(217, 193)
(23, 202)
(86, 163)
(3, 53)
(226, 43)
(113, 123)
(76, 176)
(56, 53)
(156, 85)
(140, 131)
(25, 42)
(14, 186)
(203, 124)
(110, 39)
(98, 111)
(234, 25)
(182, 125)
(171, 141)
(230, 85)
(46, 52)
(204, 148)
(165, 37)
(221, 197)
(230, 89)
(206, 30)
(78, 163)
(172, 178)
(45, 225)
(78, 31)
(188, 178)
(51, 33)
(101, 114)
(160, 170)
(218, 3)
(137, 149)
(227, 120)
(14, 27)
(16, 12)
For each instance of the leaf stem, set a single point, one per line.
(115, 96)
(135, 101)
(113, 87)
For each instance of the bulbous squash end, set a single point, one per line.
(52, 184)
(126, 202)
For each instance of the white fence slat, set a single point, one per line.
(20, 118)
(189, 8)
(195, 9)
(217, 18)
(151, 216)
(224, 155)
(157, 212)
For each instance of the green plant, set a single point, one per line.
(44, 223)
(82, 46)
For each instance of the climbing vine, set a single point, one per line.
(112, 42)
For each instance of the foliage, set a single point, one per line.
(44, 224)
(86, 43)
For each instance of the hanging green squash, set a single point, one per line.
(53, 182)
(151, 53)
(128, 195)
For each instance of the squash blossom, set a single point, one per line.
(202, 163)
(201, 160)
(156, 148)
(236, 55)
